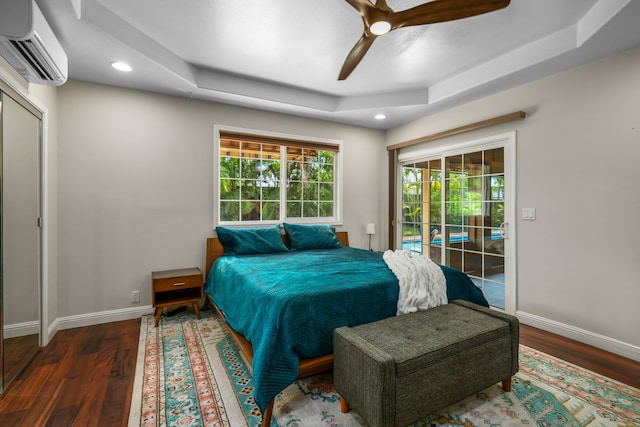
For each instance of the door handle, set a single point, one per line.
(504, 230)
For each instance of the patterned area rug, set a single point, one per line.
(190, 373)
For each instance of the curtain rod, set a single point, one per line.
(518, 115)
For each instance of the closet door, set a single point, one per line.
(20, 236)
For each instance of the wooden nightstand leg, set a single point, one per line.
(196, 309)
(158, 314)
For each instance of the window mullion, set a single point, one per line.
(284, 167)
(443, 210)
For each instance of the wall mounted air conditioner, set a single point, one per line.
(28, 43)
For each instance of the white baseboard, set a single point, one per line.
(51, 331)
(600, 341)
(21, 329)
(88, 319)
(609, 344)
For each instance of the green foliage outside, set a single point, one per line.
(250, 188)
(464, 198)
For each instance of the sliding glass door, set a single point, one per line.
(456, 211)
(422, 208)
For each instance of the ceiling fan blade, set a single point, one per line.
(382, 5)
(445, 10)
(362, 6)
(356, 55)
(369, 12)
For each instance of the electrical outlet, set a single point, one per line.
(135, 296)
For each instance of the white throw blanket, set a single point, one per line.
(422, 282)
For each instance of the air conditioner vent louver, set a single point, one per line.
(36, 60)
(29, 44)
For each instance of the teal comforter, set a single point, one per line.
(288, 304)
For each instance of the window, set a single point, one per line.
(270, 178)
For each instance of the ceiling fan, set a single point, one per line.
(380, 19)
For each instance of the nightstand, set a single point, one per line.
(176, 287)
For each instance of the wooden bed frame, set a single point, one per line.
(307, 367)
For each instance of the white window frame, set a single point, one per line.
(338, 191)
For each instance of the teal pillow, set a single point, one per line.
(251, 241)
(304, 236)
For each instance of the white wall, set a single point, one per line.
(577, 164)
(136, 187)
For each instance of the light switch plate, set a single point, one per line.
(529, 214)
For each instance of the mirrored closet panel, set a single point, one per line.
(20, 204)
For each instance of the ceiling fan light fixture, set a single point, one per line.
(380, 116)
(379, 28)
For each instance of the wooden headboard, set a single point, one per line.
(215, 249)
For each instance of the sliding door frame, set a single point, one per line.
(504, 140)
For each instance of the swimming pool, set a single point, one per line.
(416, 245)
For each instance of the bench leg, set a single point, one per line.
(506, 384)
(266, 418)
(344, 405)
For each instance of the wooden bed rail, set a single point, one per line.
(307, 367)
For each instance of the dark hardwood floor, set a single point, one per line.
(15, 351)
(84, 377)
(608, 364)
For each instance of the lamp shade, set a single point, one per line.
(371, 229)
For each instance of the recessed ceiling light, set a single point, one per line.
(121, 66)
(380, 116)
(379, 28)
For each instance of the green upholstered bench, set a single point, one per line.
(399, 370)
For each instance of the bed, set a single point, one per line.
(301, 286)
